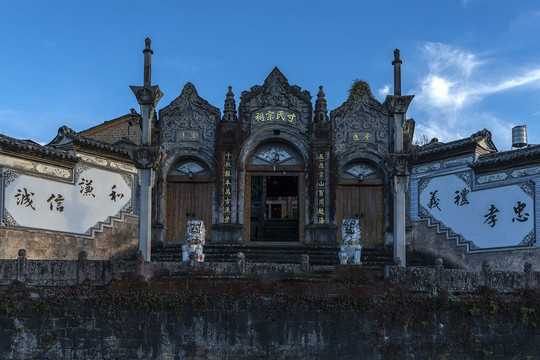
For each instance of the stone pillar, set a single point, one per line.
(240, 263)
(529, 275)
(320, 227)
(304, 263)
(399, 160)
(82, 267)
(399, 189)
(146, 156)
(21, 266)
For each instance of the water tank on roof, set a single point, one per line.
(519, 136)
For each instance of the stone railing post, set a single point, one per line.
(486, 274)
(304, 262)
(21, 266)
(439, 272)
(140, 265)
(529, 275)
(82, 267)
(240, 263)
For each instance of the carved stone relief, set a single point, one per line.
(274, 155)
(466, 177)
(9, 220)
(485, 179)
(528, 188)
(422, 184)
(426, 168)
(188, 119)
(360, 170)
(190, 167)
(273, 96)
(457, 162)
(362, 116)
(53, 171)
(526, 172)
(529, 240)
(9, 176)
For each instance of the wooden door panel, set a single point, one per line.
(366, 204)
(188, 201)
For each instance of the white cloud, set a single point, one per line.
(455, 82)
(382, 92)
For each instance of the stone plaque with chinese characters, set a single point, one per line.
(488, 218)
(360, 136)
(187, 135)
(94, 197)
(321, 188)
(273, 115)
(227, 187)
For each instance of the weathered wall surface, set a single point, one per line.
(110, 132)
(425, 240)
(203, 319)
(113, 240)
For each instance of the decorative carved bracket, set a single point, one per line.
(147, 95)
(398, 104)
(401, 164)
(145, 157)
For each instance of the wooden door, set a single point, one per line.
(363, 202)
(188, 201)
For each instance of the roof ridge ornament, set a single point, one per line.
(229, 110)
(321, 110)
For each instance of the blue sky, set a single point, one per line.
(471, 64)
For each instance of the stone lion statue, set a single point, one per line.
(195, 239)
(350, 248)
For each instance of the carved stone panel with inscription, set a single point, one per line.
(361, 122)
(276, 103)
(189, 120)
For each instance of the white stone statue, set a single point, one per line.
(195, 239)
(350, 250)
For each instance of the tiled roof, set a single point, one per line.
(64, 131)
(517, 157)
(451, 148)
(29, 146)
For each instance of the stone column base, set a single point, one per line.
(225, 233)
(321, 234)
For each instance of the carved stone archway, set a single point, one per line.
(274, 192)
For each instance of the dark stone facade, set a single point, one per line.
(277, 131)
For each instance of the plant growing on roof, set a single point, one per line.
(357, 88)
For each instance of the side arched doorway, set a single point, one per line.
(189, 197)
(274, 194)
(360, 195)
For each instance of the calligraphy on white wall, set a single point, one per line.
(74, 208)
(496, 217)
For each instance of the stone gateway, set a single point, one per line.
(278, 169)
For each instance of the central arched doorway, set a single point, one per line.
(274, 195)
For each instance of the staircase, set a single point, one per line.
(280, 230)
(278, 253)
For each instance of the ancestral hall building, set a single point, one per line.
(277, 167)
(275, 170)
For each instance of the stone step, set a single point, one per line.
(377, 258)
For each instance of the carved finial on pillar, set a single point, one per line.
(229, 111)
(320, 107)
(397, 73)
(147, 62)
(147, 43)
